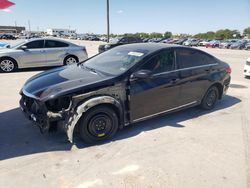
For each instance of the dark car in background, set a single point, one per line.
(8, 37)
(124, 85)
(247, 46)
(239, 45)
(119, 41)
(181, 41)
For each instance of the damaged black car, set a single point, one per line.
(124, 85)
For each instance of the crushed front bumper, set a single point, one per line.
(38, 118)
(37, 112)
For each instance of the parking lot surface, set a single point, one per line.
(192, 148)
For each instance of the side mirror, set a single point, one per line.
(24, 47)
(142, 74)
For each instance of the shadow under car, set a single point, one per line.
(18, 137)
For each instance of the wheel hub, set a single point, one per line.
(70, 61)
(100, 125)
(211, 98)
(7, 65)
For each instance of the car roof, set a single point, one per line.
(152, 47)
(48, 38)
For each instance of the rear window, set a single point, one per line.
(191, 58)
(55, 44)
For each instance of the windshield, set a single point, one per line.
(116, 61)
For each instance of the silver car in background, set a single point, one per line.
(43, 52)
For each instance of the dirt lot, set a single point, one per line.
(191, 148)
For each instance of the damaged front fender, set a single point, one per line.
(85, 106)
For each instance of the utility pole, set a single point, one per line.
(108, 21)
(15, 27)
(29, 26)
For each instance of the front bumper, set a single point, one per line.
(247, 70)
(37, 112)
(39, 119)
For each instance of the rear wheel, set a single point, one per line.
(7, 65)
(98, 124)
(210, 99)
(70, 60)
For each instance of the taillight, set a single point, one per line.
(229, 70)
(85, 51)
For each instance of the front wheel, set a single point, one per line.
(98, 124)
(210, 99)
(7, 65)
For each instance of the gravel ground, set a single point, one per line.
(191, 148)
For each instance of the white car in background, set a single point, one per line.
(42, 52)
(247, 68)
(204, 42)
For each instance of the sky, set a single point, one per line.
(130, 16)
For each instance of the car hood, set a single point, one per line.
(62, 81)
(6, 50)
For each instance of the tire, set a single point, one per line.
(98, 124)
(7, 65)
(211, 97)
(70, 60)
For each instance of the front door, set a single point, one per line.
(157, 93)
(34, 55)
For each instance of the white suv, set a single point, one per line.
(247, 68)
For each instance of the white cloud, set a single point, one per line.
(119, 11)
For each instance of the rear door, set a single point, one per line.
(157, 93)
(195, 68)
(55, 52)
(34, 55)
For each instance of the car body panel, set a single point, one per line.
(59, 81)
(160, 92)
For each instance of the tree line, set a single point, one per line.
(219, 34)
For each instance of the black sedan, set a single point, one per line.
(127, 84)
(7, 37)
(118, 42)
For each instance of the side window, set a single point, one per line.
(191, 58)
(163, 62)
(35, 44)
(55, 44)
